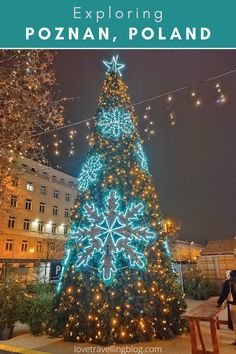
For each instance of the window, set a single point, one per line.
(54, 210)
(56, 194)
(66, 213)
(14, 201)
(26, 224)
(40, 226)
(54, 228)
(15, 182)
(65, 230)
(28, 204)
(30, 186)
(52, 246)
(43, 190)
(24, 246)
(42, 207)
(11, 222)
(67, 197)
(39, 246)
(9, 245)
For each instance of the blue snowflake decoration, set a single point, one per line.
(110, 234)
(115, 124)
(114, 66)
(167, 247)
(90, 172)
(141, 157)
(68, 251)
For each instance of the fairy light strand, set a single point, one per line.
(149, 99)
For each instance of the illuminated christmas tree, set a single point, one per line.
(117, 284)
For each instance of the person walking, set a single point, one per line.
(222, 299)
(229, 293)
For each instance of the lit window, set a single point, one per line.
(54, 228)
(26, 224)
(24, 246)
(14, 201)
(40, 226)
(30, 186)
(67, 197)
(42, 207)
(28, 204)
(9, 245)
(43, 190)
(54, 210)
(66, 213)
(11, 222)
(15, 182)
(55, 194)
(39, 246)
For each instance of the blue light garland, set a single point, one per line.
(109, 233)
(90, 172)
(63, 270)
(141, 157)
(166, 245)
(115, 124)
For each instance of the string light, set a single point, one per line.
(148, 124)
(141, 157)
(196, 98)
(90, 172)
(107, 233)
(101, 223)
(171, 112)
(115, 124)
(165, 94)
(56, 144)
(220, 95)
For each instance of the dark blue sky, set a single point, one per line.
(193, 164)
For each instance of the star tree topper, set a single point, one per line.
(114, 66)
(112, 236)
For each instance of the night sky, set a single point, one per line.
(194, 163)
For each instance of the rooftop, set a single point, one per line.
(38, 169)
(219, 247)
(185, 242)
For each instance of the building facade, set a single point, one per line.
(216, 258)
(35, 221)
(185, 251)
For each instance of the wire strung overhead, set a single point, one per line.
(149, 99)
